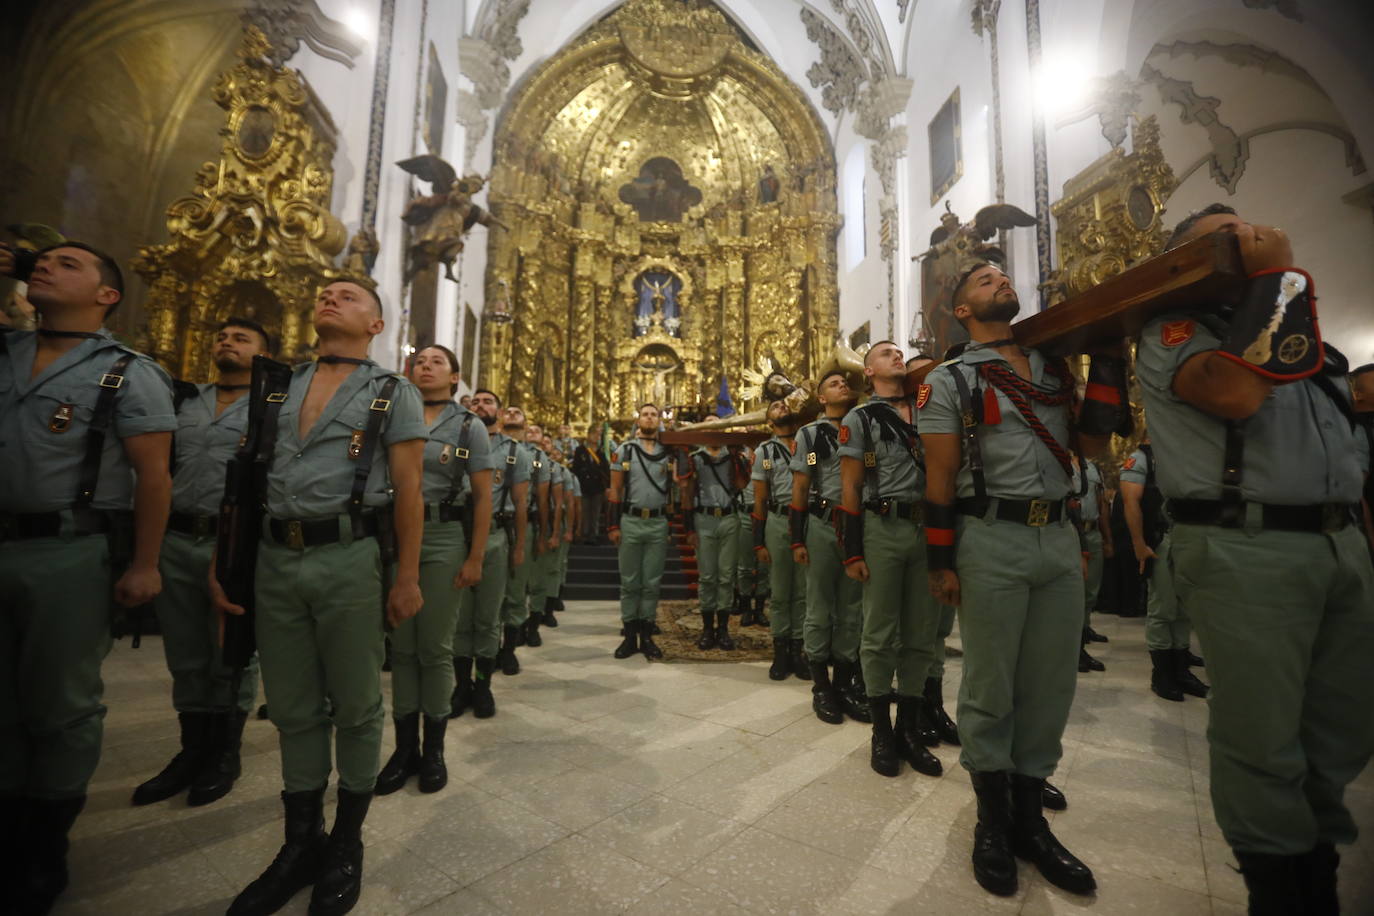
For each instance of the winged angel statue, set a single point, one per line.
(441, 219)
(954, 247)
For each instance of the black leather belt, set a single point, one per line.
(714, 511)
(299, 534)
(1034, 512)
(896, 508)
(1310, 519)
(197, 526)
(445, 512)
(635, 512)
(23, 526)
(821, 508)
(500, 518)
(777, 508)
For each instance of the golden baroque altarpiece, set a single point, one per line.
(667, 206)
(255, 238)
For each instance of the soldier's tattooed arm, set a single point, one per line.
(520, 498)
(471, 572)
(405, 460)
(148, 453)
(1218, 386)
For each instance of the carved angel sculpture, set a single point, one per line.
(967, 241)
(442, 218)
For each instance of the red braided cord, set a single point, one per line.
(1020, 392)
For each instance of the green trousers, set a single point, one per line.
(477, 631)
(543, 580)
(787, 581)
(54, 634)
(422, 647)
(1286, 622)
(1092, 543)
(643, 551)
(717, 547)
(190, 631)
(1021, 621)
(751, 574)
(515, 602)
(834, 602)
(900, 618)
(937, 663)
(1166, 624)
(563, 550)
(320, 633)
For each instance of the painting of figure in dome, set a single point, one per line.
(660, 193)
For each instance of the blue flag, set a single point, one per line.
(723, 406)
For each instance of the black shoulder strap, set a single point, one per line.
(1232, 471)
(110, 383)
(970, 425)
(499, 499)
(377, 411)
(183, 392)
(711, 466)
(870, 454)
(648, 474)
(460, 458)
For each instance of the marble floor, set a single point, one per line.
(607, 786)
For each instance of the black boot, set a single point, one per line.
(782, 661)
(1052, 798)
(1317, 880)
(745, 609)
(549, 619)
(532, 637)
(994, 867)
(910, 743)
(707, 642)
(723, 638)
(646, 640)
(405, 760)
(1194, 660)
(882, 748)
(1032, 840)
(556, 602)
(825, 699)
(630, 644)
(461, 697)
(1186, 680)
(341, 876)
(800, 667)
(386, 654)
(177, 776)
(298, 862)
(1094, 636)
(1274, 884)
(221, 765)
(483, 703)
(945, 728)
(510, 665)
(1085, 661)
(760, 618)
(41, 872)
(433, 772)
(852, 699)
(1163, 680)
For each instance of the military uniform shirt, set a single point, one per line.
(1137, 468)
(648, 478)
(1088, 509)
(313, 478)
(823, 472)
(1299, 447)
(772, 462)
(441, 450)
(715, 479)
(1016, 463)
(511, 467)
(204, 445)
(900, 473)
(41, 460)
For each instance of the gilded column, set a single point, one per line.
(582, 335)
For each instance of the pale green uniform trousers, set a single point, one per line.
(717, 547)
(1092, 543)
(515, 604)
(643, 551)
(900, 618)
(477, 632)
(1286, 622)
(1166, 624)
(751, 575)
(543, 580)
(320, 634)
(1021, 620)
(947, 616)
(190, 631)
(787, 581)
(54, 634)
(422, 647)
(834, 602)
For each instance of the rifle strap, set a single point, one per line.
(110, 383)
(380, 407)
(969, 420)
(499, 499)
(460, 461)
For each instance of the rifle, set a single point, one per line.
(243, 506)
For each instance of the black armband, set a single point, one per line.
(1273, 330)
(939, 536)
(1106, 404)
(617, 510)
(796, 525)
(849, 527)
(760, 523)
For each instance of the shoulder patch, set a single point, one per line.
(844, 434)
(922, 396)
(1177, 333)
(1130, 463)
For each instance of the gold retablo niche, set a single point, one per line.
(667, 206)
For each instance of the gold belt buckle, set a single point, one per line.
(295, 535)
(1039, 514)
(644, 513)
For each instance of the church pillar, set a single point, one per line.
(581, 363)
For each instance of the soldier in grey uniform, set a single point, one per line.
(1088, 509)
(349, 447)
(85, 437)
(995, 422)
(515, 606)
(211, 419)
(772, 479)
(541, 581)
(751, 574)
(478, 632)
(715, 497)
(1259, 466)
